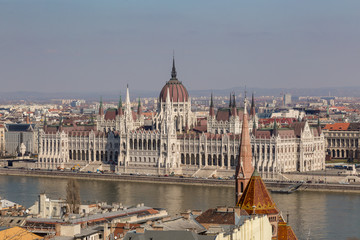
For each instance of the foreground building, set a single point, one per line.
(255, 198)
(120, 141)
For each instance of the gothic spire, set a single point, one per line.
(234, 110)
(319, 126)
(211, 111)
(230, 104)
(139, 108)
(275, 128)
(254, 127)
(120, 110)
(244, 168)
(101, 109)
(252, 109)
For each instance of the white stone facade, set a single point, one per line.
(123, 144)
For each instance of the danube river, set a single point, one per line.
(313, 215)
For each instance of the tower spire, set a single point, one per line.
(120, 110)
(252, 109)
(211, 111)
(139, 111)
(244, 168)
(230, 104)
(234, 110)
(275, 128)
(101, 109)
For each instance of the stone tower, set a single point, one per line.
(244, 168)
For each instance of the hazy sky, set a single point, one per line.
(88, 45)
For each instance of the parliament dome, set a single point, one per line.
(177, 91)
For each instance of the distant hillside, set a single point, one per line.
(114, 96)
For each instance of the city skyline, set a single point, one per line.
(89, 46)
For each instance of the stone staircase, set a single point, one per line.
(206, 172)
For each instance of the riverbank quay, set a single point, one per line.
(272, 185)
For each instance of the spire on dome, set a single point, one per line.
(173, 71)
(244, 168)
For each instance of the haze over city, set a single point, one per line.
(97, 46)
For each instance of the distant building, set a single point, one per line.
(342, 140)
(287, 99)
(174, 141)
(2, 140)
(251, 193)
(18, 134)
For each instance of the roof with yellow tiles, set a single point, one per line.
(18, 233)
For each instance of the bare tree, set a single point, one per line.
(73, 196)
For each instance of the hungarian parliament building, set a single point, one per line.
(175, 144)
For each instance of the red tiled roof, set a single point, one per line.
(213, 216)
(337, 126)
(177, 91)
(256, 194)
(111, 114)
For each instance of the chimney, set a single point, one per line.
(158, 228)
(185, 215)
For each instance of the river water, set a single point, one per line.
(313, 215)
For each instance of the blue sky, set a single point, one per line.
(87, 46)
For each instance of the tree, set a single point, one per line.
(73, 196)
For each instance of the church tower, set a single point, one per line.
(244, 168)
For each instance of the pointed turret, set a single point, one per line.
(275, 130)
(254, 128)
(127, 102)
(120, 109)
(234, 110)
(244, 168)
(252, 109)
(101, 108)
(211, 111)
(139, 110)
(230, 103)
